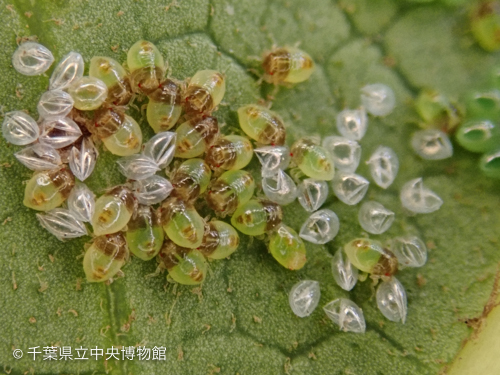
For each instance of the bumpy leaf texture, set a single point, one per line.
(239, 321)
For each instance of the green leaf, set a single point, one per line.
(239, 321)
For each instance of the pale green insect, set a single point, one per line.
(287, 64)
(231, 152)
(114, 76)
(257, 217)
(146, 66)
(88, 93)
(230, 190)
(191, 179)
(195, 136)
(437, 111)
(479, 135)
(220, 240)
(48, 189)
(371, 257)
(113, 211)
(312, 159)
(287, 248)
(262, 124)
(182, 223)
(485, 25)
(164, 107)
(144, 233)
(490, 163)
(185, 266)
(127, 140)
(204, 92)
(105, 257)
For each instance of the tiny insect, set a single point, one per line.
(104, 258)
(164, 107)
(182, 223)
(204, 92)
(195, 136)
(146, 67)
(113, 210)
(231, 152)
(230, 190)
(437, 111)
(191, 179)
(48, 189)
(106, 121)
(257, 217)
(185, 266)
(485, 25)
(127, 140)
(262, 124)
(371, 257)
(315, 161)
(220, 240)
(88, 93)
(144, 233)
(288, 64)
(287, 248)
(114, 77)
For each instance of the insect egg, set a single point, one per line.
(195, 136)
(490, 163)
(182, 223)
(287, 248)
(186, 266)
(479, 135)
(49, 189)
(113, 211)
(257, 217)
(88, 93)
(114, 76)
(204, 92)
(146, 67)
(312, 159)
(230, 190)
(287, 65)
(164, 107)
(104, 258)
(230, 153)
(144, 233)
(369, 256)
(220, 240)
(32, 59)
(191, 179)
(127, 140)
(262, 124)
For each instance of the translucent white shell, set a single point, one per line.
(62, 223)
(350, 188)
(418, 198)
(378, 99)
(82, 160)
(20, 128)
(352, 123)
(384, 166)
(59, 132)
(88, 93)
(345, 152)
(161, 148)
(55, 103)
(321, 227)
(312, 194)
(410, 251)
(32, 59)
(344, 273)
(137, 167)
(375, 218)
(69, 69)
(39, 157)
(346, 314)
(304, 297)
(431, 144)
(81, 202)
(273, 158)
(152, 190)
(279, 188)
(391, 300)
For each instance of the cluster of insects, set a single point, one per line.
(154, 216)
